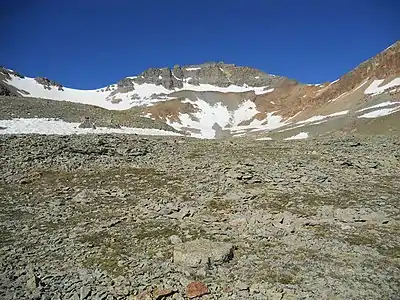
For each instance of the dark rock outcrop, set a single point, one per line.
(48, 84)
(5, 91)
(10, 72)
(214, 73)
(164, 77)
(87, 123)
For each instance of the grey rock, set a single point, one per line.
(84, 197)
(241, 286)
(202, 252)
(87, 123)
(49, 84)
(181, 214)
(178, 72)
(84, 292)
(174, 239)
(74, 296)
(6, 91)
(32, 282)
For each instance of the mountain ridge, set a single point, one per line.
(206, 99)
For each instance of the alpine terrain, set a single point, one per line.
(203, 181)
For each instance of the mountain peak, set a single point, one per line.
(206, 98)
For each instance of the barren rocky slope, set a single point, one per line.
(125, 217)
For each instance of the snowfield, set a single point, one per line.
(53, 126)
(143, 94)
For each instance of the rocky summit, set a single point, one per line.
(203, 181)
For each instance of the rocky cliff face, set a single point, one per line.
(216, 74)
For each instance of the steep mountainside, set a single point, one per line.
(153, 85)
(214, 100)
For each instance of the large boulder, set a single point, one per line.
(87, 123)
(202, 253)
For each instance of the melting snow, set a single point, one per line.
(192, 69)
(319, 118)
(207, 115)
(333, 82)
(143, 94)
(264, 139)
(380, 113)
(259, 91)
(244, 112)
(91, 97)
(376, 89)
(383, 104)
(299, 136)
(347, 93)
(269, 123)
(239, 135)
(53, 126)
(229, 89)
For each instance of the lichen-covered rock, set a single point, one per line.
(202, 253)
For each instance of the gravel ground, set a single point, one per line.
(130, 217)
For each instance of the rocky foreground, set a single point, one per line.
(127, 217)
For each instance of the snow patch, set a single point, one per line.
(230, 89)
(264, 139)
(380, 113)
(299, 136)
(257, 91)
(192, 69)
(244, 112)
(383, 104)
(333, 82)
(319, 118)
(239, 135)
(269, 123)
(53, 126)
(376, 89)
(347, 93)
(207, 115)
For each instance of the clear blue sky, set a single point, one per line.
(88, 44)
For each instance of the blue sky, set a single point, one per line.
(88, 44)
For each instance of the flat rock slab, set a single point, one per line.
(202, 253)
